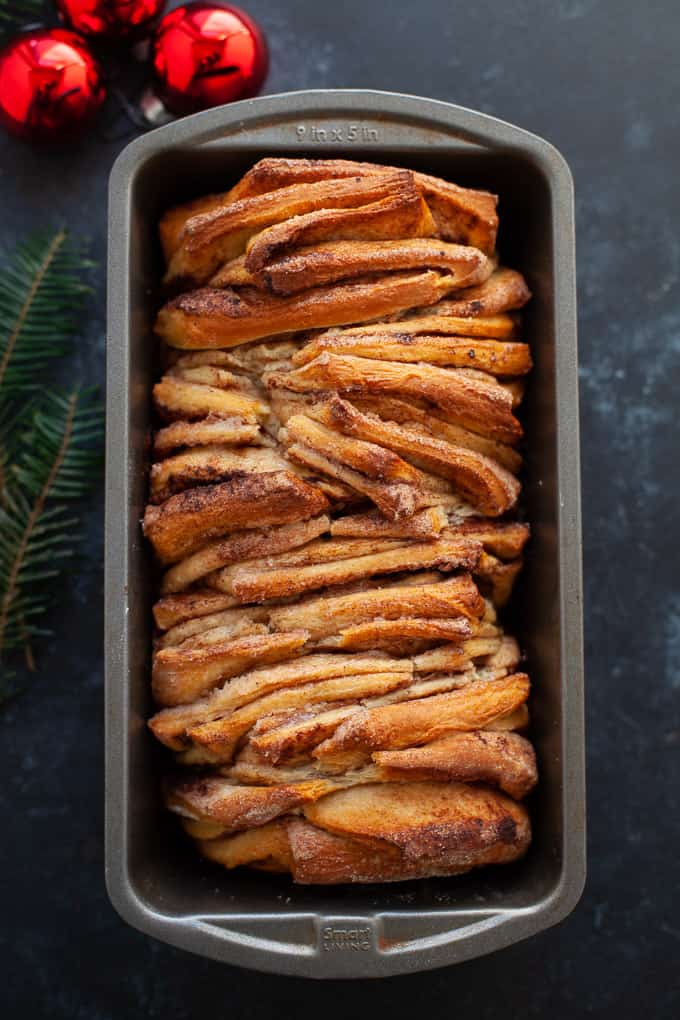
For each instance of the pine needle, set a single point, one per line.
(15, 12)
(58, 461)
(50, 441)
(42, 293)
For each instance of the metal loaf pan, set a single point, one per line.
(155, 879)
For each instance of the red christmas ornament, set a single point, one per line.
(207, 54)
(50, 85)
(111, 19)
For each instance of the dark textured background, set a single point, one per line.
(600, 79)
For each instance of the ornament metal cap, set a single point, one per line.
(154, 112)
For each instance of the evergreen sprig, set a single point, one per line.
(14, 12)
(50, 440)
(42, 294)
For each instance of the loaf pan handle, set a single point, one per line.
(318, 120)
(346, 946)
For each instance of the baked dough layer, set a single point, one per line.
(333, 500)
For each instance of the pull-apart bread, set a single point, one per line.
(333, 506)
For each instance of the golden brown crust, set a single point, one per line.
(229, 804)
(416, 414)
(244, 545)
(327, 615)
(187, 521)
(170, 725)
(331, 261)
(379, 474)
(219, 739)
(400, 213)
(322, 858)
(209, 239)
(208, 465)
(460, 214)
(210, 317)
(176, 609)
(492, 356)
(176, 398)
(415, 322)
(426, 523)
(505, 539)
(340, 683)
(400, 637)
(234, 807)
(505, 760)
(478, 479)
(364, 457)
(181, 674)
(498, 758)
(253, 584)
(320, 551)
(209, 431)
(419, 722)
(434, 829)
(396, 499)
(480, 404)
(292, 734)
(504, 291)
(235, 273)
(172, 221)
(315, 856)
(265, 846)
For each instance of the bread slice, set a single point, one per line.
(426, 523)
(220, 738)
(208, 465)
(499, 358)
(243, 545)
(506, 760)
(210, 317)
(464, 215)
(210, 238)
(418, 413)
(435, 828)
(187, 521)
(182, 674)
(332, 261)
(417, 321)
(209, 431)
(254, 583)
(171, 725)
(475, 402)
(324, 615)
(181, 399)
(384, 833)
(478, 479)
(504, 291)
(419, 722)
